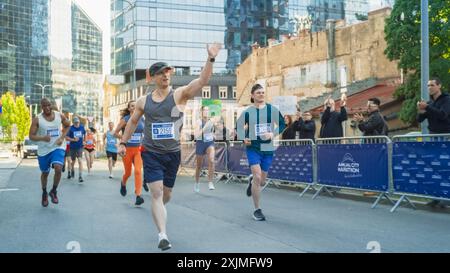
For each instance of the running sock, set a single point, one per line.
(54, 188)
(44, 190)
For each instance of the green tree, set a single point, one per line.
(23, 120)
(402, 34)
(7, 119)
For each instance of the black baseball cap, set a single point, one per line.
(158, 67)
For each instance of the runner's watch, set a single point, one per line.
(212, 59)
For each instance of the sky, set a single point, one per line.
(99, 11)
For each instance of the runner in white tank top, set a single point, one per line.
(46, 131)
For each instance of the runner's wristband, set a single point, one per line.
(123, 143)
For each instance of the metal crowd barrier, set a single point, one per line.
(294, 162)
(421, 167)
(356, 163)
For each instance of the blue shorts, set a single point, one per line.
(159, 167)
(257, 158)
(55, 157)
(201, 147)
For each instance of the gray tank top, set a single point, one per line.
(163, 122)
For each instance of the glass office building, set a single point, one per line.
(76, 50)
(86, 42)
(250, 21)
(24, 48)
(172, 31)
(322, 10)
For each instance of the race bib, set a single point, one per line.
(135, 138)
(208, 137)
(53, 133)
(78, 134)
(163, 131)
(112, 141)
(263, 128)
(89, 142)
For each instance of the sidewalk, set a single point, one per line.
(7, 168)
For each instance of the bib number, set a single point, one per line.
(78, 134)
(53, 133)
(163, 131)
(208, 137)
(261, 129)
(135, 138)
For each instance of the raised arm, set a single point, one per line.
(185, 93)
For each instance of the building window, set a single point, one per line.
(206, 92)
(223, 92)
(234, 92)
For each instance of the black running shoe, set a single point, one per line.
(123, 189)
(80, 179)
(53, 197)
(68, 174)
(249, 187)
(164, 243)
(258, 215)
(63, 168)
(145, 187)
(44, 199)
(139, 201)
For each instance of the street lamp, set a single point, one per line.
(425, 57)
(43, 87)
(133, 64)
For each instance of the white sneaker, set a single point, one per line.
(211, 186)
(111, 176)
(163, 242)
(196, 187)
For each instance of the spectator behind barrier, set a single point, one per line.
(331, 120)
(288, 132)
(375, 125)
(306, 126)
(437, 111)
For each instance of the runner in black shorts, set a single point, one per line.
(163, 109)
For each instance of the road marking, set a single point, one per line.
(8, 190)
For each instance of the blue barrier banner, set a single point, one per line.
(237, 160)
(422, 168)
(292, 163)
(359, 166)
(188, 157)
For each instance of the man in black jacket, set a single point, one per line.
(375, 125)
(306, 126)
(437, 111)
(332, 120)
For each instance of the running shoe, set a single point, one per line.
(139, 201)
(196, 187)
(68, 174)
(53, 197)
(44, 199)
(64, 168)
(164, 243)
(249, 187)
(258, 215)
(111, 176)
(123, 189)
(145, 186)
(211, 186)
(80, 179)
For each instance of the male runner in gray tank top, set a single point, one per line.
(163, 120)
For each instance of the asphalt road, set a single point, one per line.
(94, 217)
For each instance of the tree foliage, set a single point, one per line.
(15, 111)
(402, 34)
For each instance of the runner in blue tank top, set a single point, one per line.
(204, 146)
(110, 141)
(163, 120)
